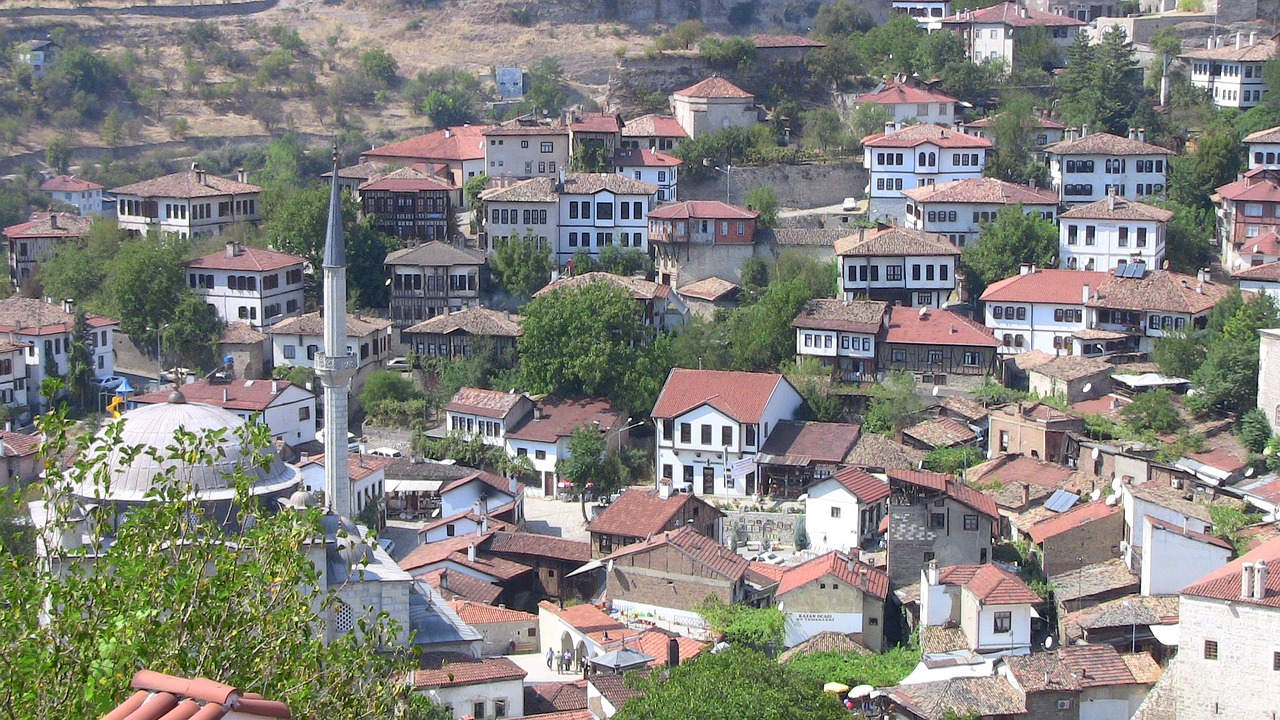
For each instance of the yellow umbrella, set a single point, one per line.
(835, 687)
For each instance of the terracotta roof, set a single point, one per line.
(1071, 519)
(936, 327)
(1076, 667)
(1096, 665)
(1269, 135)
(800, 237)
(1039, 121)
(471, 321)
(901, 93)
(68, 183)
(1127, 611)
(947, 484)
(312, 325)
(711, 289)
(240, 394)
(613, 688)
(1013, 15)
(556, 697)
(740, 395)
(528, 125)
(453, 584)
(19, 444)
(864, 316)
(592, 183)
(408, 180)
(497, 482)
(914, 135)
(1073, 367)
(653, 642)
(468, 514)
(638, 288)
(455, 669)
(1118, 208)
(853, 572)
(365, 170)
(654, 126)
(715, 87)
(880, 452)
(1260, 52)
(826, 641)
(1257, 185)
(1035, 411)
(1101, 143)
(1267, 243)
(1162, 526)
(465, 142)
(486, 403)
(42, 225)
(644, 157)
(710, 209)
(455, 550)
(473, 613)
(539, 189)
(1224, 583)
(895, 241)
(169, 696)
(1159, 291)
(549, 546)
(1019, 469)
(864, 486)
(935, 639)
(247, 259)
(1098, 578)
(964, 407)
(596, 123)
(1058, 287)
(589, 620)
(1268, 272)
(941, 432)
(641, 513)
(991, 584)
(805, 442)
(990, 191)
(990, 695)
(434, 254)
(560, 418)
(771, 573)
(359, 466)
(711, 554)
(241, 333)
(785, 41)
(186, 185)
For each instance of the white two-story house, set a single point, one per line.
(1231, 70)
(711, 423)
(84, 195)
(928, 13)
(992, 606)
(960, 209)
(898, 265)
(258, 287)
(905, 102)
(1146, 304)
(44, 330)
(287, 410)
(994, 34)
(486, 414)
(903, 158)
(527, 147)
(1088, 167)
(1040, 309)
(656, 168)
(1262, 149)
(296, 340)
(842, 335)
(1111, 233)
(187, 203)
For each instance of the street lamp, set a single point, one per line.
(1133, 615)
(159, 331)
(727, 169)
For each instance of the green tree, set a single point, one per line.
(590, 156)
(839, 18)
(1255, 431)
(741, 624)
(79, 377)
(624, 261)
(367, 249)
(832, 65)
(1214, 162)
(545, 86)
(880, 670)
(894, 404)
(732, 53)
(1013, 133)
(824, 129)
(1188, 236)
(58, 153)
(79, 270)
(1153, 412)
(868, 119)
(194, 333)
(587, 465)
(891, 47)
(521, 265)
(1101, 86)
(688, 32)
(379, 67)
(801, 535)
(1179, 353)
(760, 336)
(1227, 382)
(952, 460)
(1013, 238)
(146, 281)
(764, 200)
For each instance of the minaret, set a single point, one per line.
(336, 365)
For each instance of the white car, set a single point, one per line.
(386, 452)
(850, 204)
(398, 363)
(353, 442)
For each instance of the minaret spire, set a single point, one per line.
(336, 365)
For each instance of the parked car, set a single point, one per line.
(849, 205)
(109, 382)
(386, 452)
(176, 374)
(398, 363)
(353, 442)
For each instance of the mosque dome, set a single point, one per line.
(153, 428)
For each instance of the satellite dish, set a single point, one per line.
(1249, 472)
(1095, 494)
(1097, 452)
(936, 388)
(1087, 387)
(1048, 643)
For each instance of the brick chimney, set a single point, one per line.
(1246, 581)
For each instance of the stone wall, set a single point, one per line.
(664, 589)
(777, 527)
(798, 186)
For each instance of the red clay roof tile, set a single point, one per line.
(714, 87)
(740, 395)
(456, 669)
(247, 259)
(936, 327)
(854, 573)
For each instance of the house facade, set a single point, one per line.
(903, 158)
(733, 413)
(295, 341)
(641, 513)
(670, 574)
(459, 148)
(44, 330)
(993, 34)
(1248, 210)
(653, 132)
(1145, 305)
(845, 510)
(1039, 309)
(959, 209)
(432, 279)
(1035, 430)
(656, 168)
(938, 347)
(713, 104)
(842, 335)
(257, 287)
(527, 147)
(1111, 233)
(834, 592)
(935, 518)
(455, 335)
(287, 410)
(897, 265)
(903, 102)
(1089, 167)
(411, 205)
(1262, 149)
(35, 240)
(84, 195)
(992, 606)
(1230, 70)
(698, 239)
(187, 203)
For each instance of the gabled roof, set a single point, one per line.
(365, 170)
(246, 259)
(1224, 583)
(785, 41)
(527, 543)
(1158, 525)
(861, 316)
(614, 688)
(711, 289)
(594, 122)
(486, 403)
(947, 484)
(186, 185)
(408, 180)
(901, 93)
(1073, 367)
(641, 513)
(555, 697)
(589, 620)
(895, 241)
(312, 325)
(941, 432)
(1258, 185)
(877, 451)
(1014, 15)
(696, 209)
(50, 225)
(31, 316)
(1076, 517)
(913, 135)
(359, 465)
(1019, 469)
(473, 613)
(539, 189)
(457, 143)
(241, 333)
(654, 126)
(455, 550)
(457, 585)
(1102, 143)
(1076, 667)
(638, 288)
(1267, 272)
(561, 417)
(794, 442)
(169, 696)
(68, 183)
(654, 643)
(715, 87)
(1118, 208)
(855, 573)
(991, 584)
(1259, 52)
(707, 552)
(495, 482)
(440, 670)
(1266, 243)
(984, 190)
(434, 254)
(740, 395)
(471, 321)
(240, 394)
(644, 157)
(1159, 291)
(989, 695)
(936, 327)
(1058, 287)
(1269, 135)
(19, 444)
(1039, 121)
(866, 487)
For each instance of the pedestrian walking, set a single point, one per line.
(568, 661)
(551, 655)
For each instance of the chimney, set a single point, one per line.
(303, 458)
(1026, 494)
(1084, 130)
(513, 485)
(673, 652)
(275, 387)
(224, 396)
(1239, 40)
(200, 173)
(448, 133)
(664, 488)
(537, 412)
(1142, 134)
(1203, 275)
(1260, 572)
(484, 524)
(931, 573)
(888, 128)
(242, 176)
(232, 250)
(1022, 11)
(471, 552)
(69, 306)
(1111, 199)
(1133, 133)
(1246, 581)
(1253, 37)
(53, 220)
(1026, 269)
(444, 578)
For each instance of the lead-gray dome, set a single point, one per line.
(155, 426)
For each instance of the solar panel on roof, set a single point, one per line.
(1061, 501)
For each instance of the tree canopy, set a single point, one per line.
(521, 264)
(1013, 238)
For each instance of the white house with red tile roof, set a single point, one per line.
(898, 265)
(287, 410)
(1147, 304)
(713, 104)
(459, 147)
(187, 203)
(992, 34)
(1262, 149)
(1042, 310)
(905, 101)
(1048, 130)
(938, 347)
(44, 330)
(486, 414)
(654, 132)
(653, 167)
(844, 510)
(296, 340)
(467, 687)
(33, 241)
(1228, 624)
(904, 158)
(86, 196)
(251, 285)
(834, 592)
(1174, 557)
(13, 376)
(486, 494)
(992, 606)
(1230, 69)
(503, 628)
(1089, 166)
(711, 423)
(1112, 233)
(368, 474)
(842, 335)
(959, 209)
(698, 239)
(527, 147)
